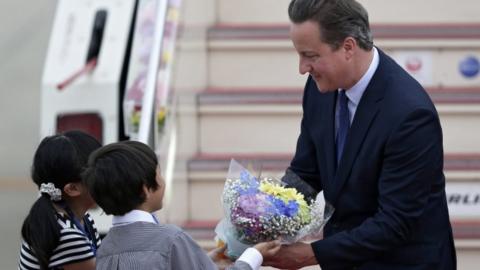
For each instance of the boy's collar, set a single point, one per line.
(134, 216)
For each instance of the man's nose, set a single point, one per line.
(304, 67)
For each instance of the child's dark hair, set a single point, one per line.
(59, 159)
(116, 175)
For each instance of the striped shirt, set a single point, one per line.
(73, 246)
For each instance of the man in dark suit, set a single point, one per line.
(371, 140)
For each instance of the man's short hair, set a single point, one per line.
(116, 174)
(337, 20)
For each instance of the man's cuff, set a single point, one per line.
(320, 250)
(252, 257)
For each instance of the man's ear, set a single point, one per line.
(72, 189)
(349, 45)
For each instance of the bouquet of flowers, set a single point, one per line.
(264, 209)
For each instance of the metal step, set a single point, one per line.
(207, 173)
(267, 120)
(244, 56)
(380, 11)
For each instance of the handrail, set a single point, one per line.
(148, 101)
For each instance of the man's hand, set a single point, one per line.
(292, 256)
(268, 249)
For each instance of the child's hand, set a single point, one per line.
(218, 257)
(268, 249)
(217, 253)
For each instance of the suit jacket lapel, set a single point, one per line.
(364, 116)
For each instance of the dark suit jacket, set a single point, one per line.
(389, 189)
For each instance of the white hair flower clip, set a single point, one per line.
(50, 189)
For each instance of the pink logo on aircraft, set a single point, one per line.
(413, 64)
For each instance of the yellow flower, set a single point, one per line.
(161, 113)
(270, 188)
(304, 211)
(135, 120)
(291, 194)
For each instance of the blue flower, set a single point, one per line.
(291, 208)
(247, 191)
(249, 179)
(278, 206)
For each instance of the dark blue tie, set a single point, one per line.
(343, 123)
